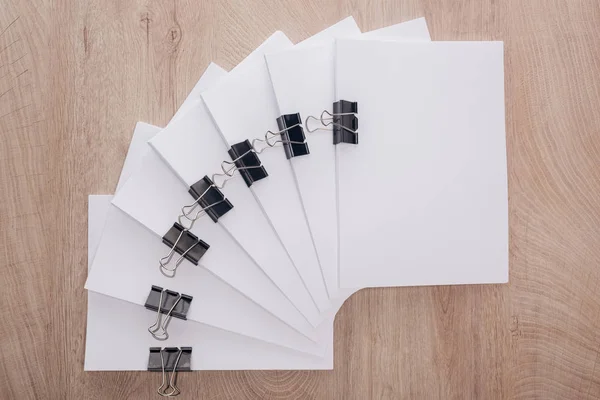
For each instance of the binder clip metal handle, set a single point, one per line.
(157, 326)
(326, 122)
(321, 119)
(164, 262)
(189, 209)
(272, 139)
(229, 168)
(171, 382)
(225, 176)
(342, 121)
(208, 196)
(169, 360)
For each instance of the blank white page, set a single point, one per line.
(303, 81)
(243, 106)
(156, 212)
(193, 148)
(124, 268)
(112, 322)
(413, 30)
(180, 142)
(423, 196)
(212, 74)
(220, 349)
(343, 28)
(135, 261)
(154, 197)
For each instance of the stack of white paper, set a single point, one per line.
(420, 199)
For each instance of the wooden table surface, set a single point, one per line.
(75, 77)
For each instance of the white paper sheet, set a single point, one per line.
(247, 93)
(136, 152)
(212, 74)
(245, 223)
(154, 197)
(413, 30)
(116, 258)
(114, 323)
(432, 154)
(126, 267)
(303, 81)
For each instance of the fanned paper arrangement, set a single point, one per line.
(281, 187)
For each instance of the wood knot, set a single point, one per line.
(145, 19)
(295, 384)
(174, 35)
(514, 327)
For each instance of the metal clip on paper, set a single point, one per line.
(209, 198)
(169, 303)
(183, 242)
(292, 135)
(343, 121)
(245, 160)
(173, 359)
(244, 155)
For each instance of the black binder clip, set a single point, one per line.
(246, 161)
(183, 242)
(209, 198)
(169, 303)
(343, 121)
(292, 135)
(173, 359)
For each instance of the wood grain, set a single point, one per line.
(76, 76)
